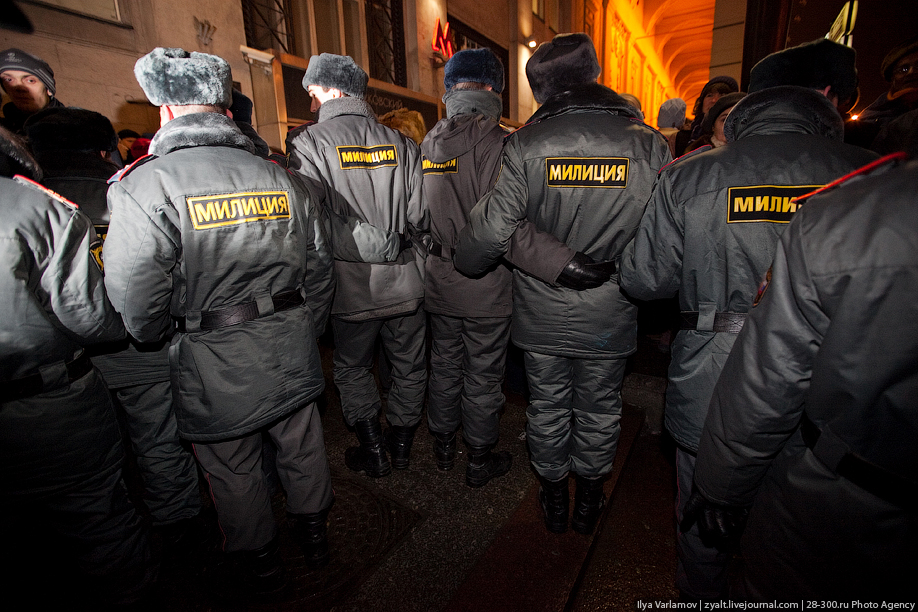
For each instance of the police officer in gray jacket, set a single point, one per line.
(582, 170)
(60, 446)
(205, 232)
(368, 175)
(710, 232)
(814, 419)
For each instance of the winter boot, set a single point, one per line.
(370, 456)
(398, 443)
(484, 464)
(310, 532)
(256, 573)
(555, 501)
(444, 448)
(589, 501)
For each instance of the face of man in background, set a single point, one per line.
(25, 89)
(905, 73)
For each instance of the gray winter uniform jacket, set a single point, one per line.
(711, 227)
(581, 169)
(834, 337)
(461, 160)
(202, 226)
(366, 173)
(53, 303)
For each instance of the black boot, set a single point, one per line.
(444, 448)
(310, 532)
(370, 456)
(254, 572)
(555, 501)
(589, 501)
(484, 464)
(398, 443)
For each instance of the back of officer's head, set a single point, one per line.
(175, 77)
(568, 60)
(70, 129)
(474, 69)
(814, 65)
(339, 72)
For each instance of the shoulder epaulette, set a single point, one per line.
(51, 194)
(691, 153)
(862, 171)
(127, 169)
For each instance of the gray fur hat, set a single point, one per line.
(175, 77)
(336, 72)
(566, 61)
(474, 66)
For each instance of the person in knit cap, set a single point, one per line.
(470, 317)
(710, 93)
(581, 169)
(228, 244)
(709, 237)
(369, 179)
(29, 82)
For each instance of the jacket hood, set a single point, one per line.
(453, 137)
(199, 130)
(473, 102)
(784, 110)
(591, 96)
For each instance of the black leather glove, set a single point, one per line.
(720, 526)
(404, 242)
(584, 273)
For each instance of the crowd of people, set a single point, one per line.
(792, 254)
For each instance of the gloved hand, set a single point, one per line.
(404, 242)
(720, 526)
(584, 273)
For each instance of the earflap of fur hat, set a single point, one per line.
(175, 77)
(70, 129)
(474, 66)
(336, 72)
(566, 61)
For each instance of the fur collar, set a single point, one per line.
(473, 102)
(15, 158)
(784, 110)
(199, 130)
(591, 96)
(344, 106)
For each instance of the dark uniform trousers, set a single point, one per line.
(94, 524)
(467, 360)
(574, 414)
(403, 341)
(235, 473)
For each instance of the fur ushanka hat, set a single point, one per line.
(566, 61)
(175, 77)
(70, 129)
(814, 65)
(474, 66)
(336, 72)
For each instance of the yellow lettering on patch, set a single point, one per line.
(607, 172)
(764, 203)
(366, 158)
(208, 212)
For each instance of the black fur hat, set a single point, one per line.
(175, 77)
(241, 107)
(69, 129)
(814, 65)
(336, 72)
(564, 62)
(474, 66)
(15, 158)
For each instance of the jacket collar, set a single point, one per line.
(199, 130)
(590, 97)
(344, 106)
(784, 110)
(473, 102)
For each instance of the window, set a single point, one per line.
(386, 41)
(538, 9)
(104, 9)
(267, 25)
